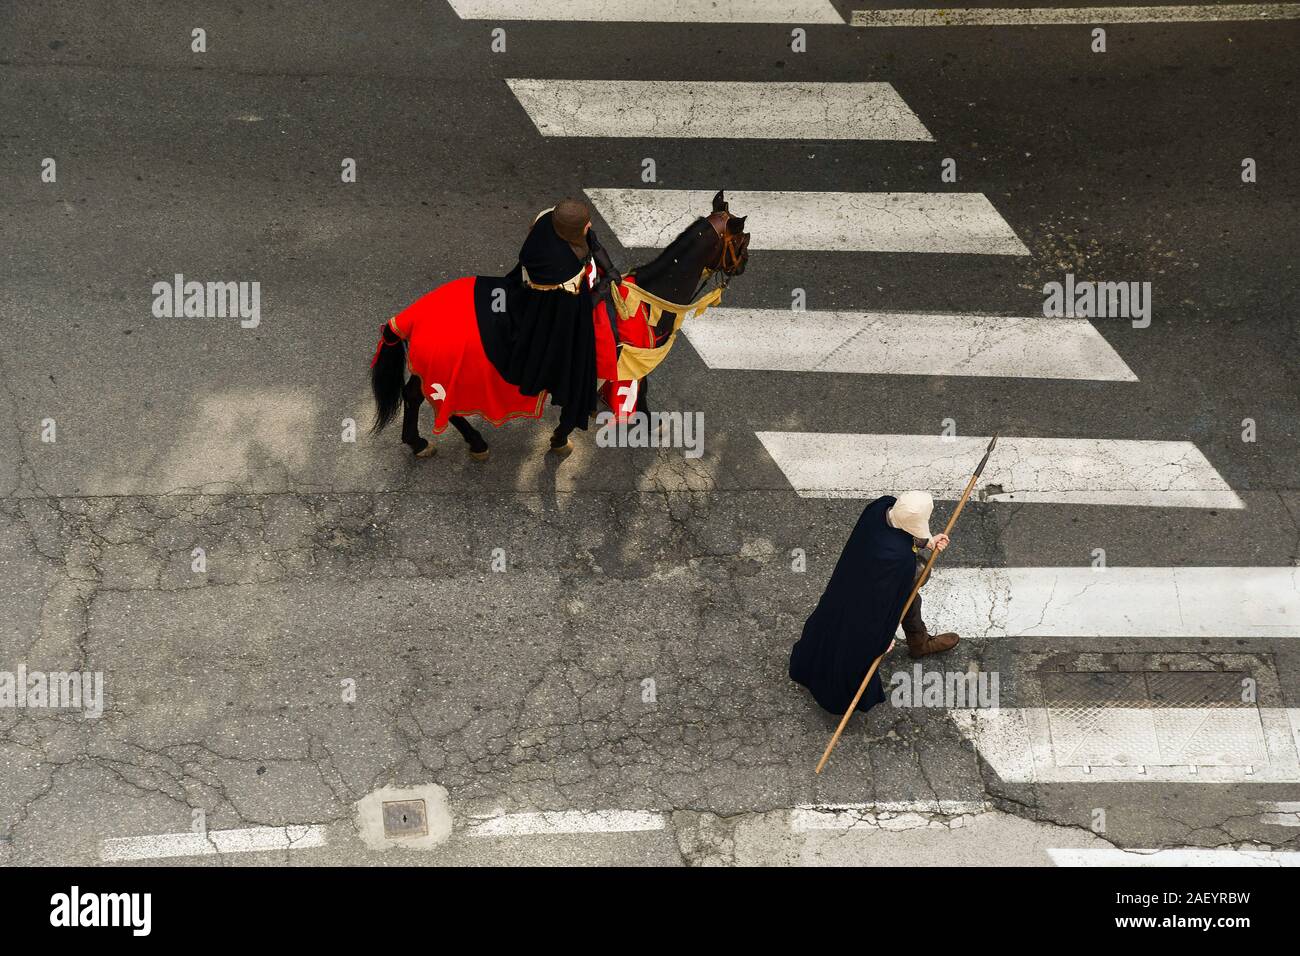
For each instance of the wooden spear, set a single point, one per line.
(910, 598)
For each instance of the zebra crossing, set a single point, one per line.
(1142, 740)
(1150, 473)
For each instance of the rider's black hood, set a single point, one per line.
(548, 258)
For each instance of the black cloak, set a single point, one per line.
(545, 340)
(857, 615)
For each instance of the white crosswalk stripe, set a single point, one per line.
(820, 221)
(1077, 471)
(661, 11)
(661, 108)
(1055, 16)
(904, 343)
(1072, 743)
(1164, 602)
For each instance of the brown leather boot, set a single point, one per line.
(919, 645)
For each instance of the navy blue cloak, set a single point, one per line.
(858, 613)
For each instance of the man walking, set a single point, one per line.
(858, 614)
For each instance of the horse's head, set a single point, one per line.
(716, 243)
(733, 245)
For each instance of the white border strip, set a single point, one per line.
(1283, 814)
(549, 822)
(212, 843)
(1179, 857)
(885, 815)
(1075, 16)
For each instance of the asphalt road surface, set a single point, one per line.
(586, 661)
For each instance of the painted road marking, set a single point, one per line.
(1052, 16)
(212, 843)
(1017, 744)
(1179, 857)
(549, 822)
(1078, 471)
(884, 815)
(658, 108)
(905, 343)
(659, 11)
(1284, 814)
(1184, 602)
(820, 221)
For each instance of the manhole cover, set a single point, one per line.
(405, 818)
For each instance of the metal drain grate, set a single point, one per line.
(1152, 719)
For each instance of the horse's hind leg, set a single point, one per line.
(478, 447)
(561, 445)
(412, 399)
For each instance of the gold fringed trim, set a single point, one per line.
(635, 361)
(537, 412)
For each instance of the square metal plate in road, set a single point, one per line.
(1152, 719)
(405, 818)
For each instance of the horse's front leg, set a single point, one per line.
(412, 399)
(643, 407)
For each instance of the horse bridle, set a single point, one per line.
(729, 257)
(732, 253)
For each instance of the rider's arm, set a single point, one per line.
(601, 256)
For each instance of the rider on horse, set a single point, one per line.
(548, 343)
(494, 347)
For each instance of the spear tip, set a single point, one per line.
(979, 469)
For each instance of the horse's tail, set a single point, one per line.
(387, 377)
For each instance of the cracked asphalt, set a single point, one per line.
(334, 564)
